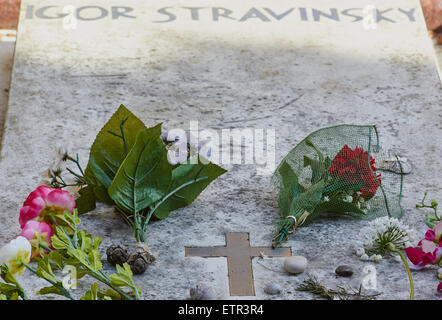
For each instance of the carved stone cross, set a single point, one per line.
(239, 260)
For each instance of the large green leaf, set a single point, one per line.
(289, 187)
(86, 201)
(186, 173)
(108, 150)
(144, 176)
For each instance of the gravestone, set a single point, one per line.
(283, 67)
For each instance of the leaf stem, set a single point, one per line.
(62, 289)
(159, 203)
(122, 135)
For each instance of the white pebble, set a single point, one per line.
(202, 292)
(272, 288)
(365, 257)
(295, 264)
(360, 251)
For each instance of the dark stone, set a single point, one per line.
(344, 271)
(139, 261)
(117, 254)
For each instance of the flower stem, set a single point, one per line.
(65, 292)
(45, 247)
(410, 278)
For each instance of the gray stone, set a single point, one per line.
(202, 292)
(272, 289)
(288, 74)
(295, 264)
(344, 271)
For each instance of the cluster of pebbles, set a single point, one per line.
(138, 261)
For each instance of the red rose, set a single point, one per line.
(354, 166)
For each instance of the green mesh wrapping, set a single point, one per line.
(341, 170)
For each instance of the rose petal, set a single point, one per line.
(61, 199)
(40, 192)
(428, 246)
(31, 211)
(430, 235)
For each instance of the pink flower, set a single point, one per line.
(420, 258)
(430, 235)
(38, 233)
(439, 287)
(427, 252)
(44, 200)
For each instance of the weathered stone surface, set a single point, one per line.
(290, 74)
(202, 292)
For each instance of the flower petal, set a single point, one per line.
(430, 235)
(40, 192)
(8, 252)
(31, 211)
(415, 255)
(62, 199)
(428, 246)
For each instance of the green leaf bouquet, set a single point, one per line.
(129, 167)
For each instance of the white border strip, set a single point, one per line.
(7, 35)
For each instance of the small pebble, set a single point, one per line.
(360, 251)
(344, 271)
(272, 288)
(295, 264)
(439, 271)
(202, 292)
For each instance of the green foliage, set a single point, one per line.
(112, 144)
(128, 167)
(431, 219)
(77, 251)
(86, 202)
(10, 289)
(144, 176)
(308, 186)
(203, 174)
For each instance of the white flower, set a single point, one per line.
(385, 234)
(326, 198)
(177, 153)
(16, 254)
(365, 257)
(376, 258)
(348, 199)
